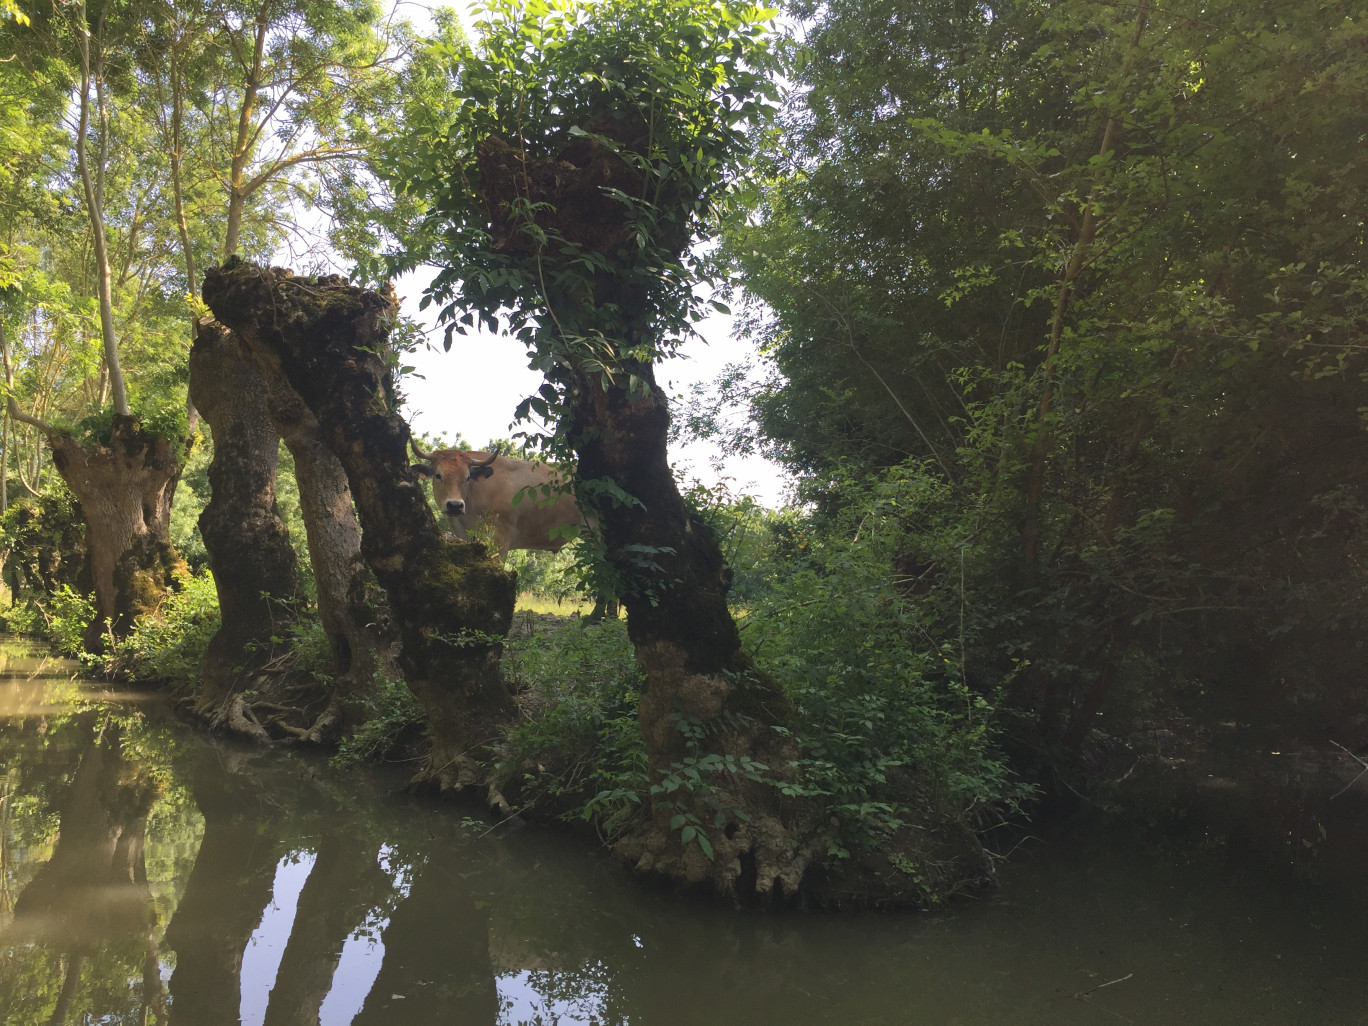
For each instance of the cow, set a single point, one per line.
(525, 505)
(480, 487)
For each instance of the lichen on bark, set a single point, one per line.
(451, 604)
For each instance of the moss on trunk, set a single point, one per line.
(125, 488)
(244, 534)
(451, 604)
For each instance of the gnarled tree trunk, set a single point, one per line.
(349, 617)
(244, 534)
(705, 705)
(249, 547)
(451, 604)
(125, 490)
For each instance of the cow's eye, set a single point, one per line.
(436, 477)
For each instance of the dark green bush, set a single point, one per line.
(579, 754)
(892, 734)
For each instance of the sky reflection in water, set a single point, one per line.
(150, 875)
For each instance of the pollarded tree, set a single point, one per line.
(594, 147)
(258, 102)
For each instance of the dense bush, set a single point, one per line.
(892, 733)
(392, 715)
(45, 541)
(168, 646)
(60, 617)
(580, 752)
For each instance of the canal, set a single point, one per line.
(151, 875)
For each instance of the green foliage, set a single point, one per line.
(892, 730)
(45, 539)
(291, 512)
(61, 617)
(580, 753)
(1094, 274)
(192, 495)
(392, 711)
(744, 530)
(659, 92)
(168, 646)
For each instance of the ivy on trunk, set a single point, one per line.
(594, 146)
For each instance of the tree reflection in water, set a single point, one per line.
(139, 861)
(86, 928)
(87, 915)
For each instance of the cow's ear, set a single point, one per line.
(422, 471)
(478, 472)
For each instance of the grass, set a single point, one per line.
(560, 607)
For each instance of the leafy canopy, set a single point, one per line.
(642, 107)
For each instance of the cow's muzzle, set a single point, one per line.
(455, 507)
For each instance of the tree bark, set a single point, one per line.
(451, 604)
(346, 609)
(244, 534)
(92, 183)
(125, 491)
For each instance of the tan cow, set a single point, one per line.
(474, 487)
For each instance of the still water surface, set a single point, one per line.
(151, 876)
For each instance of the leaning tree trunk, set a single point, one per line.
(244, 534)
(706, 710)
(452, 606)
(346, 597)
(125, 491)
(705, 705)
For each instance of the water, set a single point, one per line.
(151, 876)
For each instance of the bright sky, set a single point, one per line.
(474, 389)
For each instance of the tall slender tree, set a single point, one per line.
(124, 473)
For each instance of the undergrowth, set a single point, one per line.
(579, 753)
(392, 712)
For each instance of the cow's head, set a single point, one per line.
(452, 471)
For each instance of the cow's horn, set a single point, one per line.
(417, 451)
(484, 463)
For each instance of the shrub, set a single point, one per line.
(580, 753)
(168, 646)
(60, 618)
(392, 711)
(891, 733)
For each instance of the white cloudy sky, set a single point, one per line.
(474, 389)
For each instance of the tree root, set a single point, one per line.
(758, 861)
(238, 717)
(463, 776)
